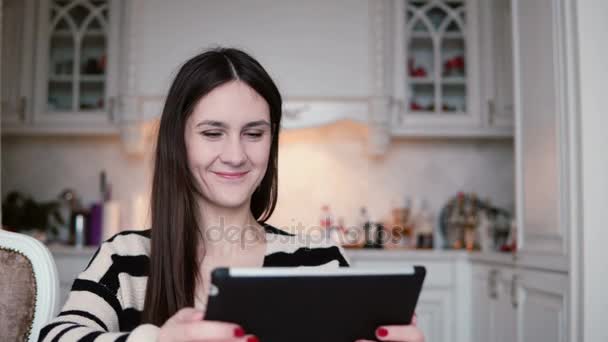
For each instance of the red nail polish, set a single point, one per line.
(253, 339)
(239, 332)
(381, 332)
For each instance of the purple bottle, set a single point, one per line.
(95, 227)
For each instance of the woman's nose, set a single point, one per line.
(233, 153)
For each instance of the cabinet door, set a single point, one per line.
(503, 307)
(541, 107)
(76, 76)
(433, 313)
(542, 306)
(16, 60)
(494, 315)
(497, 61)
(482, 319)
(436, 64)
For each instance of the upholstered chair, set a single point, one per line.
(29, 287)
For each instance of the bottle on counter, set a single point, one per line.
(397, 230)
(338, 232)
(484, 231)
(79, 229)
(424, 227)
(354, 234)
(379, 233)
(68, 204)
(367, 228)
(326, 220)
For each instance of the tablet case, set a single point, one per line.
(318, 308)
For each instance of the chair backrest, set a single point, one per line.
(29, 287)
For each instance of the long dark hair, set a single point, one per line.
(175, 235)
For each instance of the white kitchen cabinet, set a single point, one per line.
(16, 61)
(436, 63)
(433, 314)
(494, 317)
(542, 306)
(481, 313)
(530, 298)
(429, 62)
(518, 304)
(75, 68)
(76, 79)
(497, 109)
(543, 161)
(443, 307)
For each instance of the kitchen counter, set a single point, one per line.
(394, 254)
(405, 254)
(429, 255)
(64, 250)
(494, 258)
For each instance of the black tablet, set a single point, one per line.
(307, 304)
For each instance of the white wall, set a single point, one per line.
(319, 166)
(330, 51)
(592, 52)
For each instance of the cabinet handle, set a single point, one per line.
(492, 284)
(514, 300)
(22, 108)
(491, 111)
(111, 105)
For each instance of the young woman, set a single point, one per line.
(214, 186)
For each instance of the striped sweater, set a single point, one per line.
(107, 298)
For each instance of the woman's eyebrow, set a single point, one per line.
(223, 125)
(257, 123)
(211, 123)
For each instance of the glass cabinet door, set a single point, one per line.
(75, 40)
(77, 55)
(436, 62)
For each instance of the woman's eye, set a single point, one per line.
(211, 134)
(254, 134)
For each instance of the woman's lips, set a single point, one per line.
(231, 175)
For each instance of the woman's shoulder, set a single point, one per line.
(124, 247)
(130, 242)
(302, 249)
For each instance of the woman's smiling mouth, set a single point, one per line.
(231, 175)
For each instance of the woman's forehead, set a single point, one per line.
(232, 103)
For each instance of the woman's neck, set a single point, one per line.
(229, 230)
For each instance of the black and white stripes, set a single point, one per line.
(107, 298)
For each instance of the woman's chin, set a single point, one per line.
(231, 202)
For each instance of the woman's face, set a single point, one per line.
(228, 144)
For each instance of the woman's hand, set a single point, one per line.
(399, 333)
(187, 325)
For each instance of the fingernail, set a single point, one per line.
(253, 339)
(239, 332)
(381, 332)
